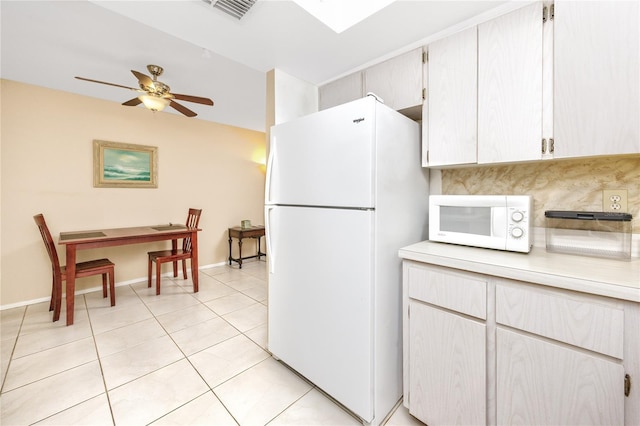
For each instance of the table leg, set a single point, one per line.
(174, 249)
(259, 238)
(71, 281)
(229, 248)
(194, 260)
(240, 252)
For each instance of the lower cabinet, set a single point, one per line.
(542, 383)
(481, 349)
(448, 385)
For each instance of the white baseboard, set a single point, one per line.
(97, 288)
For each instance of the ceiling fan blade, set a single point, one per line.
(132, 102)
(184, 110)
(196, 99)
(145, 80)
(109, 84)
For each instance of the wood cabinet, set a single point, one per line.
(597, 78)
(452, 97)
(484, 349)
(445, 362)
(540, 382)
(510, 86)
(554, 80)
(447, 365)
(398, 81)
(550, 363)
(345, 89)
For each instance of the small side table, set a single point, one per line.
(240, 233)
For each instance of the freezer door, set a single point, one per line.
(324, 159)
(320, 299)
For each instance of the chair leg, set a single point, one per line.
(57, 285)
(104, 285)
(150, 269)
(53, 294)
(184, 268)
(175, 268)
(112, 286)
(158, 270)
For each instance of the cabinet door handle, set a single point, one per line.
(544, 146)
(627, 385)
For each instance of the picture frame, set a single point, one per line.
(124, 165)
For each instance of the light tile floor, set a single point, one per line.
(178, 358)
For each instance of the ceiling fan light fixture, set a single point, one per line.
(154, 103)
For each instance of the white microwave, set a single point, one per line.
(502, 222)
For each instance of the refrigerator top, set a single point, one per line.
(325, 159)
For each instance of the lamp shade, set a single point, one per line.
(154, 103)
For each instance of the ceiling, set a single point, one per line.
(205, 52)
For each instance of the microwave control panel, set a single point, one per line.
(519, 223)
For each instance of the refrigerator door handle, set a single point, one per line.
(270, 160)
(267, 222)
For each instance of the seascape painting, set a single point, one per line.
(123, 164)
(120, 165)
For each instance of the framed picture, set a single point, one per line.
(123, 165)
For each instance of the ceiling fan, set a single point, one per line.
(155, 94)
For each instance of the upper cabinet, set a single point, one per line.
(397, 81)
(452, 100)
(554, 80)
(548, 80)
(340, 91)
(597, 93)
(510, 86)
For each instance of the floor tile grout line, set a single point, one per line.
(241, 333)
(146, 374)
(104, 382)
(186, 357)
(196, 369)
(138, 295)
(13, 350)
(289, 406)
(101, 375)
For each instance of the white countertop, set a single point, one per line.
(606, 277)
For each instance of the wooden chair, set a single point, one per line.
(174, 255)
(83, 269)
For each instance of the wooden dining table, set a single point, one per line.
(82, 240)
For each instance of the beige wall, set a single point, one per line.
(555, 185)
(46, 167)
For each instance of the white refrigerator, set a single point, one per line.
(344, 191)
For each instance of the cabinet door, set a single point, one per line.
(597, 78)
(510, 87)
(545, 383)
(452, 99)
(340, 91)
(447, 367)
(397, 81)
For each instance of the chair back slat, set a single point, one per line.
(193, 219)
(48, 243)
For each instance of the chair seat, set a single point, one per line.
(91, 267)
(169, 255)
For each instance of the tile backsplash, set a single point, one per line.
(554, 184)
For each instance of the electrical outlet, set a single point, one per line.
(614, 200)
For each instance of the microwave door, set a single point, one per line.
(468, 225)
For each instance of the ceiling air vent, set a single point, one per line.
(235, 8)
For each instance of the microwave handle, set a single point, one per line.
(499, 222)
